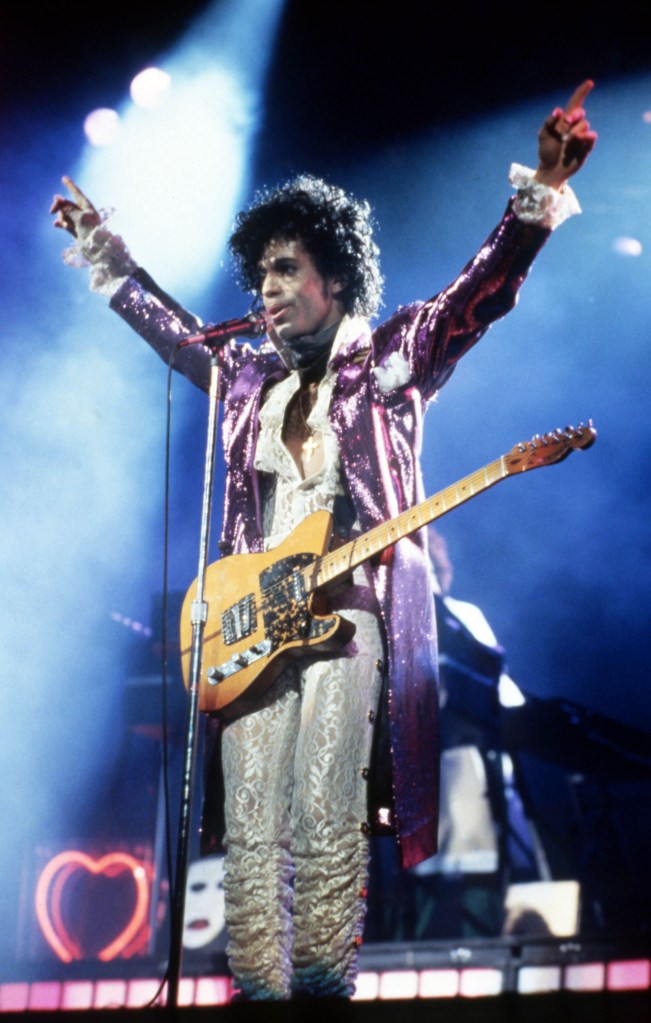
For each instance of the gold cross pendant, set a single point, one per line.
(310, 446)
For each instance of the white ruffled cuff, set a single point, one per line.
(105, 253)
(536, 203)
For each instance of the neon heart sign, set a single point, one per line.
(49, 903)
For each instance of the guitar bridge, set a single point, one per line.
(239, 620)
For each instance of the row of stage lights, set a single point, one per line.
(389, 985)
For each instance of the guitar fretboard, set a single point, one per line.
(340, 562)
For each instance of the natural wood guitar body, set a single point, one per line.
(263, 609)
(261, 614)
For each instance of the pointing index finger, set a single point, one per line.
(76, 193)
(578, 96)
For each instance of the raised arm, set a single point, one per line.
(442, 330)
(150, 311)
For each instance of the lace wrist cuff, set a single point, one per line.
(536, 203)
(105, 253)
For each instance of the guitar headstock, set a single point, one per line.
(550, 448)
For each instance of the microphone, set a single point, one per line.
(214, 335)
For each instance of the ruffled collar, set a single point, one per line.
(271, 454)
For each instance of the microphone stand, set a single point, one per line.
(199, 613)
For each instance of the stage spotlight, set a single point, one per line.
(149, 87)
(102, 126)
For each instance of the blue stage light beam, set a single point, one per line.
(179, 167)
(82, 421)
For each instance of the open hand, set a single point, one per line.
(565, 140)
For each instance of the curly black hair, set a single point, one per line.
(335, 228)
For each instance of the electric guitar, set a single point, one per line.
(264, 609)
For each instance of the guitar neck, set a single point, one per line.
(342, 561)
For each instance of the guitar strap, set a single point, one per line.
(344, 516)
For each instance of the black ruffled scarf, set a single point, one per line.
(309, 354)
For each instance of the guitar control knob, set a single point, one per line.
(214, 676)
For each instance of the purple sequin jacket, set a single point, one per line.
(379, 429)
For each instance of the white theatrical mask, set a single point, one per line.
(204, 902)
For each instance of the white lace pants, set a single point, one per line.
(296, 863)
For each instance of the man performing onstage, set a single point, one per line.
(327, 414)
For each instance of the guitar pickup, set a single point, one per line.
(298, 589)
(217, 674)
(239, 620)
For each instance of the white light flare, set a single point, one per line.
(102, 126)
(625, 246)
(150, 87)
